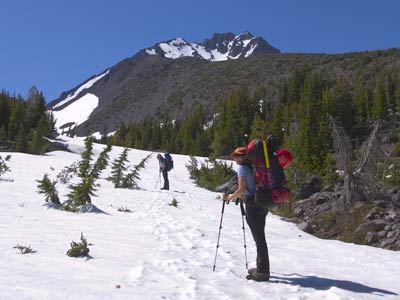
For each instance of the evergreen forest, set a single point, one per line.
(300, 120)
(24, 123)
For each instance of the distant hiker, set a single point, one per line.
(164, 170)
(255, 216)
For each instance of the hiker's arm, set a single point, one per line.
(242, 184)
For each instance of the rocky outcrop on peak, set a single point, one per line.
(222, 46)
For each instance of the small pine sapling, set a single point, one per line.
(48, 188)
(174, 203)
(124, 209)
(79, 249)
(3, 166)
(24, 249)
(193, 168)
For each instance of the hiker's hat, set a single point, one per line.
(239, 151)
(285, 157)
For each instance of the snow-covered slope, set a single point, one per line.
(76, 113)
(164, 252)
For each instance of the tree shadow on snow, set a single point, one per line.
(320, 283)
(87, 208)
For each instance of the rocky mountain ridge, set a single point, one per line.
(219, 48)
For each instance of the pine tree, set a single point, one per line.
(118, 168)
(3, 133)
(379, 104)
(21, 144)
(5, 110)
(82, 192)
(16, 121)
(130, 180)
(48, 188)
(258, 128)
(101, 162)
(36, 144)
(276, 125)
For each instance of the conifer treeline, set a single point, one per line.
(299, 119)
(24, 123)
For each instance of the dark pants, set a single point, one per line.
(255, 218)
(166, 181)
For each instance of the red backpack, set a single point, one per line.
(268, 162)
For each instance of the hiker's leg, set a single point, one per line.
(166, 181)
(255, 218)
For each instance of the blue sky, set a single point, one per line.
(56, 44)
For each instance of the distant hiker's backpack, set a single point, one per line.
(168, 161)
(268, 162)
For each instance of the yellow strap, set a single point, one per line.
(264, 142)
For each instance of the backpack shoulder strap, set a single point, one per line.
(265, 148)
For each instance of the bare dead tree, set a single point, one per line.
(352, 187)
(370, 150)
(371, 157)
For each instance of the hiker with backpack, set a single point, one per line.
(166, 165)
(255, 215)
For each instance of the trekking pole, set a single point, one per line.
(158, 179)
(219, 233)
(244, 234)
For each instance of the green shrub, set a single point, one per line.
(174, 203)
(211, 174)
(79, 249)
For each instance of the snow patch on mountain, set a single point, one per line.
(177, 48)
(84, 86)
(77, 112)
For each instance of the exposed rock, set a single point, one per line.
(372, 238)
(304, 226)
(387, 242)
(382, 234)
(309, 189)
(298, 211)
(380, 227)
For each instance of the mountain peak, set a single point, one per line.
(222, 46)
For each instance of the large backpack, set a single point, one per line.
(269, 175)
(168, 161)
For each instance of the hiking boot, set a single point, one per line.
(252, 270)
(257, 276)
